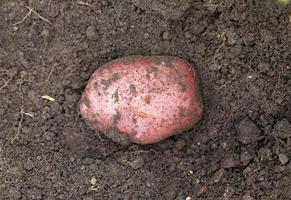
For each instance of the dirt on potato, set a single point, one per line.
(241, 149)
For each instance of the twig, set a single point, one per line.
(19, 126)
(84, 3)
(41, 17)
(51, 72)
(5, 84)
(29, 114)
(28, 14)
(22, 18)
(220, 46)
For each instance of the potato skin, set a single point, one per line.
(142, 99)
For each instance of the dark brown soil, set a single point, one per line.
(239, 150)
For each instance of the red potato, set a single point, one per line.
(142, 99)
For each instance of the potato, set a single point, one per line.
(142, 99)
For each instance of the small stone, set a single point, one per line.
(28, 165)
(245, 158)
(14, 194)
(146, 36)
(263, 67)
(247, 197)
(248, 40)
(23, 61)
(137, 163)
(49, 135)
(61, 196)
(170, 194)
(203, 190)
(231, 36)
(228, 193)
(15, 171)
(91, 33)
(77, 85)
(200, 48)
(215, 66)
(166, 35)
(72, 159)
(217, 176)
(169, 9)
(12, 71)
(235, 51)
(197, 28)
(180, 144)
(229, 162)
(282, 129)
(248, 131)
(188, 35)
(247, 171)
(93, 181)
(188, 198)
(265, 154)
(283, 158)
(34, 194)
(45, 34)
(71, 99)
(88, 198)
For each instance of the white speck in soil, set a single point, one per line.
(93, 181)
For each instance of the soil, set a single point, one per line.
(239, 150)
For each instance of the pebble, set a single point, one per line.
(146, 36)
(72, 159)
(200, 48)
(34, 194)
(282, 129)
(180, 144)
(45, 33)
(170, 194)
(229, 162)
(14, 171)
(14, 194)
(236, 51)
(265, 154)
(245, 158)
(247, 171)
(170, 9)
(196, 28)
(91, 33)
(93, 181)
(263, 67)
(203, 190)
(228, 193)
(28, 165)
(165, 35)
(283, 158)
(137, 163)
(231, 36)
(248, 131)
(217, 176)
(12, 71)
(188, 35)
(247, 197)
(22, 59)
